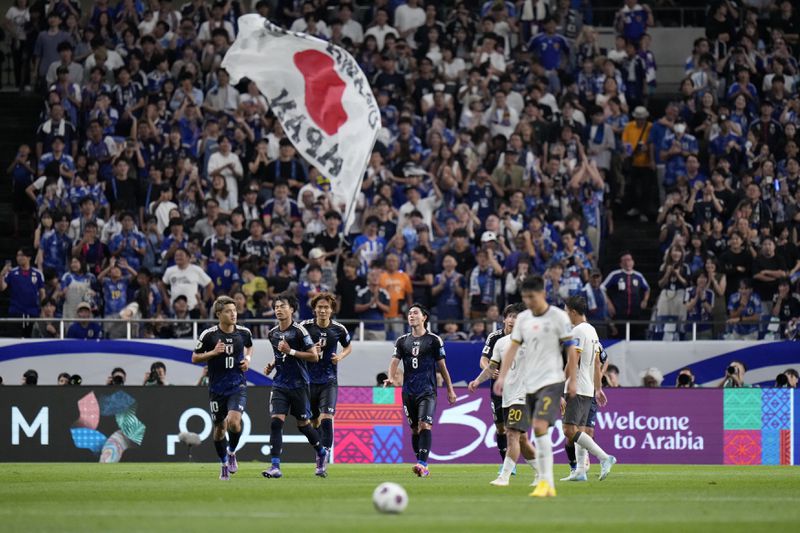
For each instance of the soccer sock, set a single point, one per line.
(234, 437)
(544, 456)
(502, 444)
(313, 437)
(580, 455)
(326, 432)
(415, 443)
(222, 449)
(425, 439)
(276, 440)
(570, 449)
(534, 467)
(591, 446)
(508, 467)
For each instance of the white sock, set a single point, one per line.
(580, 459)
(508, 466)
(534, 467)
(591, 446)
(544, 457)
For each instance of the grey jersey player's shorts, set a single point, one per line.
(578, 409)
(323, 399)
(290, 401)
(545, 403)
(518, 417)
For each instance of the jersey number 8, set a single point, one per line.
(414, 362)
(229, 362)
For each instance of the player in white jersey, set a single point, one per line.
(516, 419)
(544, 330)
(589, 384)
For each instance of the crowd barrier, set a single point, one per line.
(646, 426)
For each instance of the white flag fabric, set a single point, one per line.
(320, 95)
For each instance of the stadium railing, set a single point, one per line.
(658, 330)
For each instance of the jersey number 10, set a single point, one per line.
(229, 362)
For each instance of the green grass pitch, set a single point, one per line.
(188, 497)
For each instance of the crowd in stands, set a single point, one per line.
(510, 139)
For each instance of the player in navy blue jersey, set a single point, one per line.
(293, 349)
(326, 334)
(227, 349)
(422, 354)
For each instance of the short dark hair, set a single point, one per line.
(423, 310)
(513, 309)
(532, 284)
(287, 298)
(577, 304)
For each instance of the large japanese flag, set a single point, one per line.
(320, 95)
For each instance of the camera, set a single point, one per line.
(731, 370)
(153, 377)
(75, 379)
(781, 381)
(684, 380)
(119, 380)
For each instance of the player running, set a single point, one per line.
(293, 348)
(543, 329)
(326, 334)
(227, 349)
(497, 401)
(423, 355)
(589, 385)
(515, 410)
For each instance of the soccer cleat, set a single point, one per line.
(233, 465)
(322, 465)
(605, 467)
(421, 470)
(579, 476)
(273, 472)
(499, 482)
(543, 490)
(572, 474)
(224, 473)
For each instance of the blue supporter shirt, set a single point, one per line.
(626, 291)
(752, 308)
(115, 295)
(698, 313)
(56, 249)
(290, 372)
(676, 164)
(448, 304)
(223, 276)
(634, 22)
(326, 339)
(24, 287)
(128, 242)
(91, 331)
(549, 49)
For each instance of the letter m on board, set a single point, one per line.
(40, 423)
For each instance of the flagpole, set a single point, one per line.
(352, 205)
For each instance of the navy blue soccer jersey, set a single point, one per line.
(419, 356)
(488, 348)
(327, 339)
(290, 372)
(225, 376)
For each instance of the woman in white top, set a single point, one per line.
(219, 192)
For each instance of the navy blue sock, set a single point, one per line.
(222, 449)
(326, 432)
(502, 445)
(234, 437)
(570, 449)
(415, 443)
(425, 439)
(313, 437)
(276, 440)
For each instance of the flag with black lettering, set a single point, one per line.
(320, 96)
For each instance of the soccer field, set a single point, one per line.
(188, 498)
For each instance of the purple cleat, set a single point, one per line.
(233, 465)
(421, 470)
(322, 464)
(224, 473)
(273, 472)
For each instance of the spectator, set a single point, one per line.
(685, 379)
(26, 290)
(85, 329)
(157, 375)
(768, 270)
(186, 279)
(30, 377)
(640, 164)
(372, 304)
(117, 377)
(49, 329)
(675, 278)
(744, 311)
(398, 285)
(77, 286)
(628, 294)
(699, 302)
(63, 379)
(734, 376)
(652, 378)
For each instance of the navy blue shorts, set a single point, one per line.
(592, 414)
(419, 408)
(290, 401)
(221, 404)
(323, 398)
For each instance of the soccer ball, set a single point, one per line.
(390, 498)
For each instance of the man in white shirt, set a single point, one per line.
(516, 417)
(380, 29)
(588, 382)
(544, 330)
(228, 165)
(407, 18)
(501, 118)
(184, 278)
(426, 206)
(350, 28)
(216, 21)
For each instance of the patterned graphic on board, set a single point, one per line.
(742, 447)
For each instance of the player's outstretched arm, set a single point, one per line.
(451, 393)
(203, 357)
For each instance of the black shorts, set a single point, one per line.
(590, 420)
(577, 411)
(518, 417)
(323, 398)
(221, 404)
(498, 413)
(545, 403)
(290, 401)
(419, 408)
